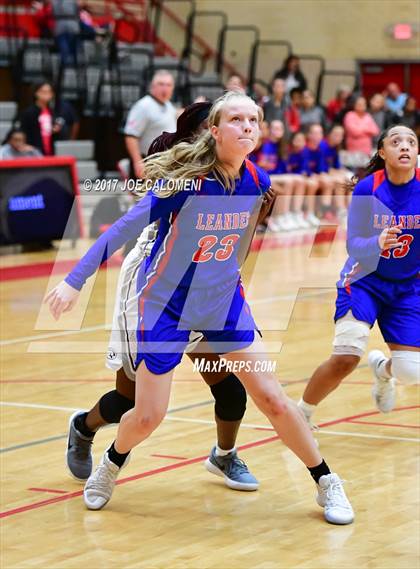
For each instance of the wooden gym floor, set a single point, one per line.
(168, 511)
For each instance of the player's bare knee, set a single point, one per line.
(274, 406)
(344, 364)
(146, 424)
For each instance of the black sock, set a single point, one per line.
(80, 425)
(116, 457)
(318, 471)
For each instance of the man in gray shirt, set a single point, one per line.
(148, 118)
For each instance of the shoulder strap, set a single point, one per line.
(250, 166)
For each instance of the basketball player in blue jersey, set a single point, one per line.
(227, 390)
(380, 280)
(204, 228)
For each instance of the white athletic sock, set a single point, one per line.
(307, 408)
(381, 369)
(222, 452)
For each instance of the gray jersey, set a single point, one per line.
(147, 119)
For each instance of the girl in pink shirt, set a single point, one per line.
(360, 128)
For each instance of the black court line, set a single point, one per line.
(58, 437)
(175, 410)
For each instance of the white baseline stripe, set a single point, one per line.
(321, 431)
(25, 339)
(55, 335)
(207, 422)
(37, 406)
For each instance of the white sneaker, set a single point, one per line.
(100, 485)
(342, 217)
(383, 390)
(274, 224)
(312, 219)
(331, 497)
(300, 221)
(289, 222)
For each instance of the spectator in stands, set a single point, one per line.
(148, 118)
(14, 146)
(235, 83)
(297, 163)
(277, 104)
(317, 168)
(292, 113)
(411, 114)
(66, 29)
(395, 99)
(380, 114)
(292, 75)
(287, 212)
(44, 18)
(336, 105)
(260, 93)
(360, 128)
(310, 112)
(331, 147)
(48, 120)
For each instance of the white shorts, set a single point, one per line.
(122, 348)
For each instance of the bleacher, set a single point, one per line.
(113, 72)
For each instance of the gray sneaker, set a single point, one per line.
(233, 470)
(79, 452)
(100, 485)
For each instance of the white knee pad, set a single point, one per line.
(405, 366)
(351, 336)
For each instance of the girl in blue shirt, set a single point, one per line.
(191, 281)
(298, 164)
(331, 146)
(287, 213)
(380, 279)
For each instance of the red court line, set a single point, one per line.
(33, 270)
(55, 380)
(368, 414)
(385, 424)
(169, 456)
(50, 490)
(45, 269)
(177, 465)
(81, 380)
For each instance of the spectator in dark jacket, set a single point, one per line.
(291, 73)
(46, 121)
(411, 114)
